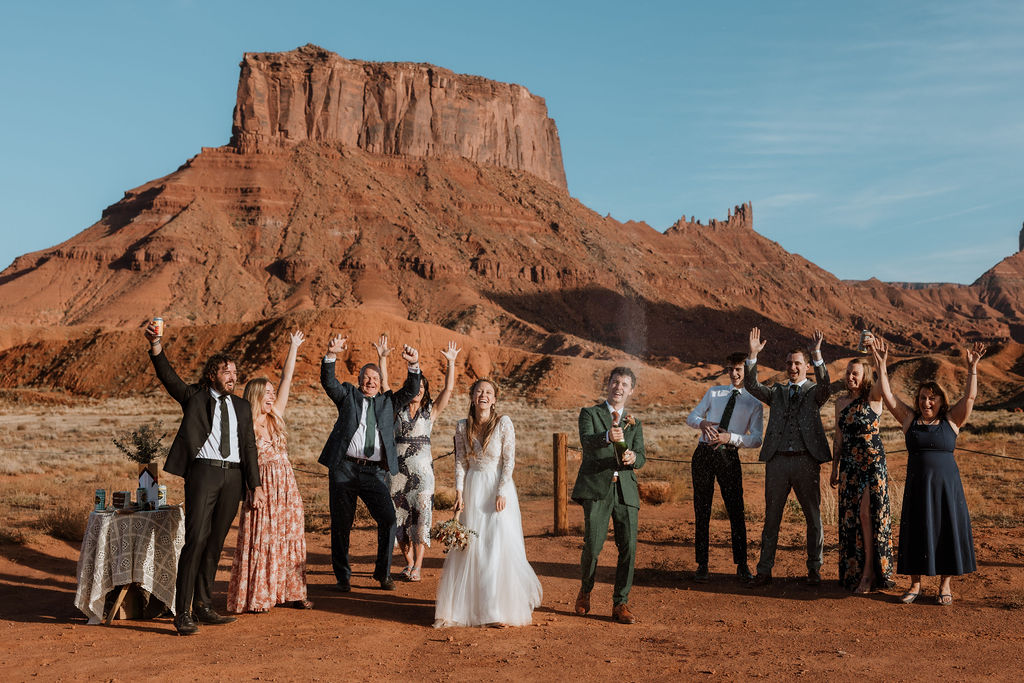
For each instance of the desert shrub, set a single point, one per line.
(64, 523)
(444, 498)
(655, 492)
(12, 536)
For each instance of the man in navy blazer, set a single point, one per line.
(360, 456)
(215, 452)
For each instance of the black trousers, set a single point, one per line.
(347, 482)
(710, 463)
(212, 495)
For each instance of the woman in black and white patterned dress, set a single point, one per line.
(412, 489)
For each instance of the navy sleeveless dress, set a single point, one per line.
(935, 526)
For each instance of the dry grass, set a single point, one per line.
(62, 452)
(655, 492)
(65, 523)
(13, 536)
(444, 498)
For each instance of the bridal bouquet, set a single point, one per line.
(452, 534)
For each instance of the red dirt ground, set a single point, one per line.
(718, 630)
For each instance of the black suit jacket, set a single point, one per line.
(349, 400)
(197, 406)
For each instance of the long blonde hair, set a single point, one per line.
(868, 380)
(254, 392)
(472, 424)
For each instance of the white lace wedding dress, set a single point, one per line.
(491, 581)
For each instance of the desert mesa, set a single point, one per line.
(404, 198)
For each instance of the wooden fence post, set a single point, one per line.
(560, 443)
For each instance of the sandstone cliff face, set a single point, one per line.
(415, 110)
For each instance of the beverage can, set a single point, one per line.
(862, 346)
(161, 496)
(158, 326)
(101, 500)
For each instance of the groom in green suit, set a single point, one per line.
(613, 446)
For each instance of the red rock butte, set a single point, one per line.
(364, 197)
(415, 110)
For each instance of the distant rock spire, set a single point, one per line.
(1021, 237)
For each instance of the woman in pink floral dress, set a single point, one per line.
(270, 556)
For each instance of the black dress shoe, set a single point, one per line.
(205, 614)
(743, 571)
(760, 580)
(185, 626)
(702, 575)
(813, 577)
(387, 584)
(343, 587)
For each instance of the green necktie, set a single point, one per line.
(794, 389)
(225, 428)
(371, 429)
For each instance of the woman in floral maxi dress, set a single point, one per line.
(859, 471)
(270, 556)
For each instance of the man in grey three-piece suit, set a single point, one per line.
(794, 448)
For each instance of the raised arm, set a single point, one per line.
(961, 410)
(403, 396)
(822, 382)
(328, 381)
(750, 381)
(382, 348)
(900, 410)
(177, 389)
(285, 386)
(451, 353)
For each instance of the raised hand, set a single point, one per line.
(297, 338)
(410, 355)
(382, 346)
(151, 334)
(975, 353)
(337, 344)
(756, 345)
(451, 352)
(817, 338)
(879, 349)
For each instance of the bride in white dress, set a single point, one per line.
(490, 582)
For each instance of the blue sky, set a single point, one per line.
(877, 139)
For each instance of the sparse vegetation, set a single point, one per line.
(143, 445)
(65, 523)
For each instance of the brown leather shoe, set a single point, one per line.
(621, 614)
(582, 603)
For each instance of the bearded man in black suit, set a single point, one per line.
(215, 452)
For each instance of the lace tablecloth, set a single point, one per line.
(118, 549)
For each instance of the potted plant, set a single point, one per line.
(143, 446)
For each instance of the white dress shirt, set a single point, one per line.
(355, 446)
(211, 449)
(746, 426)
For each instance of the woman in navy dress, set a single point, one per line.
(935, 526)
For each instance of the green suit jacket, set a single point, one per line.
(599, 463)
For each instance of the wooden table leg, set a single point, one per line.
(117, 604)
